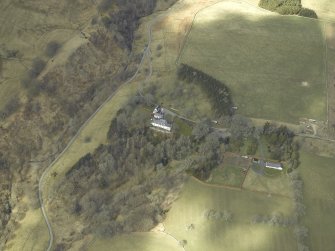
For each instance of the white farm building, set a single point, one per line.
(277, 166)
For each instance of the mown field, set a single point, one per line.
(273, 64)
(319, 196)
(239, 234)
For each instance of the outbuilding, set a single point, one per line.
(273, 165)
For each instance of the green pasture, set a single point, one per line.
(274, 65)
(240, 233)
(319, 198)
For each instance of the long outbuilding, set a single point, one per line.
(274, 165)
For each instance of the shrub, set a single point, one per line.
(52, 48)
(11, 106)
(36, 68)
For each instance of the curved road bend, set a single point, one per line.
(41, 180)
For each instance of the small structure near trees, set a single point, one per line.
(267, 164)
(158, 119)
(273, 165)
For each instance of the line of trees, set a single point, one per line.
(275, 219)
(300, 231)
(287, 7)
(218, 92)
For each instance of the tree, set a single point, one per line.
(201, 129)
(256, 219)
(227, 216)
(36, 68)
(183, 243)
(52, 48)
(301, 232)
(11, 107)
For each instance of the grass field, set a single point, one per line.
(319, 196)
(136, 241)
(239, 234)
(267, 60)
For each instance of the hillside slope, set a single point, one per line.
(46, 96)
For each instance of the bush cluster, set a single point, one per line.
(52, 48)
(287, 7)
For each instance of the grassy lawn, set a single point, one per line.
(149, 241)
(319, 196)
(268, 61)
(239, 234)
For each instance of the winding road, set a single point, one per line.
(146, 53)
(48, 169)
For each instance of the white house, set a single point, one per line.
(277, 166)
(161, 123)
(158, 112)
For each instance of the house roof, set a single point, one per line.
(161, 122)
